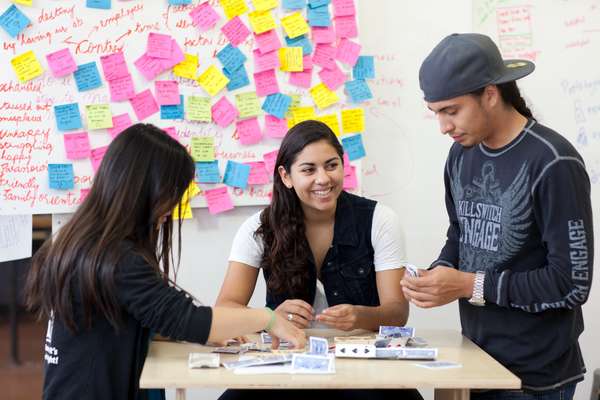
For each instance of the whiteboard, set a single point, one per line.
(30, 138)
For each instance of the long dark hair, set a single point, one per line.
(511, 95)
(286, 250)
(142, 177)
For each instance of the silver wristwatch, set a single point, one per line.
(477, 297)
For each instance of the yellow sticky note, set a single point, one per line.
(187, 68)
(247, 104)
(233, 8)
(322, 96)
(203, 148)
(98, 116)
(24, 2)
(353, 120)
(290, 59)
(261, 21)
(332, 121)
(26, 66)
(197, 108)
(186, 203)
(212, 80)
(263, 5)
(294, 25)
(300, 114)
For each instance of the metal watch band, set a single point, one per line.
(477, 297)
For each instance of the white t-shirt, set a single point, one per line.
(387, 239)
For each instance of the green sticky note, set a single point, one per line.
(247, 104)
(198, 108)
(203, 148)
(98, 116)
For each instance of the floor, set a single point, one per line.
(24, 381)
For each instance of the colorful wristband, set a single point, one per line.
(271, 321)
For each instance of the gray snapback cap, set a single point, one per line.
(464, 62)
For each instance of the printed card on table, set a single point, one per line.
(60, 176)
(87, 77)
(218, 200)
(61, 63)
(203, 148)
(98, 116)
(26, 66)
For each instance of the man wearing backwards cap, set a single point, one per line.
(519, 249)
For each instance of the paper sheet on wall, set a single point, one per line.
(15, 237)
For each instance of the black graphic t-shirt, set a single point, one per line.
(522, 214)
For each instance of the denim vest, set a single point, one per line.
(347, 272)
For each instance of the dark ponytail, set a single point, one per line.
(511, 95)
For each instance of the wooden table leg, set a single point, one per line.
(451, 394)
(179, 394)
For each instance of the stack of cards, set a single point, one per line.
(313, 364)
(203, 360)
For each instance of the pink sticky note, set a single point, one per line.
(96, 156)
(350, 181)
(171, 131)
(323, 34)
(346, 161)
(348, 52)
(77, 145)
(235, 31)
(159, 45)
(266, 83)
(223, 112)
(176, 57)
(265, 61)
(307, 62)
(270, 159)
(204, 17)
(324, 55)
(342, 8)
(346, 27)
(167, 93)
(149, 67)
(121, 89)
(267, 41)
(83, 193)
(248, 131)
(144, 104)
(120, 123)
(333, 78)
(275, 127)
(218, 200)
(258, 173)
(61, 63)
(302, 78)
(114, 66)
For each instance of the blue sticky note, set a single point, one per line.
(231, 57)
(172, 111)
(277, 104)
(358, 90)
(353, 145)
(101, 4)
(364, 68)
(318, 3)
(179, 2)
(67, 117)
(87, 76)
(60, 176)
(208, 172)
(236, 174)
(300, 41)
(319, 16)
(13, 21)
(293, 4)
(237, 78)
